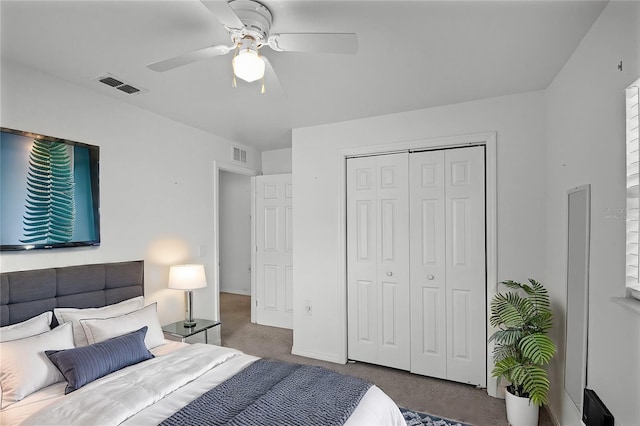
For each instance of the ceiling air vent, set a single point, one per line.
(118, 83)
(128, 89)
(110, 81)
(239, 155)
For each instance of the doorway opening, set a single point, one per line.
(233, 258)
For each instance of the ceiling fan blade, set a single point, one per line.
(224, 13)
(272, 86)
(345, 43)
(187, 58)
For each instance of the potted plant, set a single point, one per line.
(522, 347)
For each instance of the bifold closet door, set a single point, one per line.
(448, 278)
(378, 260)
(428, 264)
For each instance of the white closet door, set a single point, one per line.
(362, 269)
(274, 250)
(466, 265)
(428, 265)
(378, 260)
(448, 309)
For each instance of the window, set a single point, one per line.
(633, 193)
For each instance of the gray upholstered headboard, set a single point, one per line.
(24, 294)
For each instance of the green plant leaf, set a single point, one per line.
(49, 205)
(533, 380)
(538, 348)
(509, 337)
(501, 352)
(504, 368)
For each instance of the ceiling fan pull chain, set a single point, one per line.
(262, 89)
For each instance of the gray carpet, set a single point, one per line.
(442, 398)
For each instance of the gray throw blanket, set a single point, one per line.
(270, 392)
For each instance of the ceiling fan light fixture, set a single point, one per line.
(248, 65)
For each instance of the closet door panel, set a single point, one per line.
(431, 322)
(389, 314)
(460, 324)
(362, 299)
(428, 278)
(393, 261)
(377, 260)
(465, 269)
(366, 300)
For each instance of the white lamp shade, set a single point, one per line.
(248, 66)
(187, 277)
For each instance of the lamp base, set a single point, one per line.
(190, 324)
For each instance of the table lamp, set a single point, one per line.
(187, 278)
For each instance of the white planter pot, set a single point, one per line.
(521, 411)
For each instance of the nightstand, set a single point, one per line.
(177, 329)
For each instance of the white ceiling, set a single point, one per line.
(412, 55)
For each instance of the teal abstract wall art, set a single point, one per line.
(49, 206)
(49, 192)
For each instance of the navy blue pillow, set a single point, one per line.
(85, 364)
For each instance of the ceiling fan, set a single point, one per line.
(248, 23)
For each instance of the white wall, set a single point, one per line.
(519, 123)
(235, 233)
(276, 161)
(156, 183)
(586, 145)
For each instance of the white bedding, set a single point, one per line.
(154, 397)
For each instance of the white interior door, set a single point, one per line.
(448, 311)
(274, 250)
(378, 260)
(428, 264)
(466, 265)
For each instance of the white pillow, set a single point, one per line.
(98, 330)
(74, 315)
(25, 368)
(31, 327)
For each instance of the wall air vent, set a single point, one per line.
(118, 83)
(240, 155)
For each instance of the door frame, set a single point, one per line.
(232, 168)
(489, 141)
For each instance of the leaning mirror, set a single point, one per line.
(578, 225)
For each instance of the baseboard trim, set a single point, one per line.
(322, 356)
(552, 414)
(238, 292)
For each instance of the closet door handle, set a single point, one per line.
(430, 277)
(389, 273)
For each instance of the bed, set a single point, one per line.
(105, 361)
